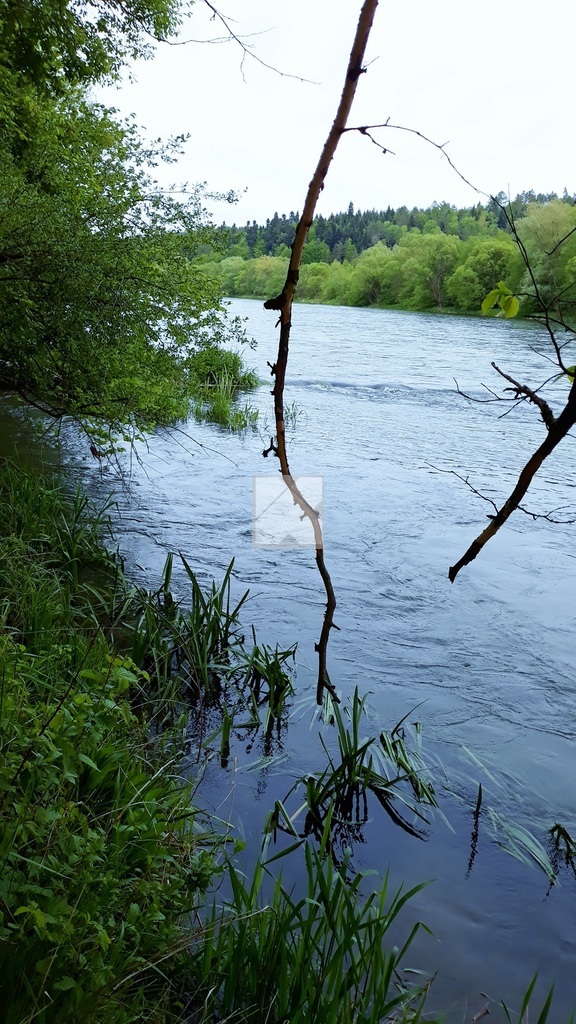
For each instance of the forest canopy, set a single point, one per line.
(437, 258)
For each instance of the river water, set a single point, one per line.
(488, 662)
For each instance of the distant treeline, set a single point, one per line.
(441, 258)
(342, 236)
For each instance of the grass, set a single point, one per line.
(383, 768)
(218, 378)
(196, 659)
(325, 956)
(218, 403)
(102, 855)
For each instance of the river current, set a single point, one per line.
(486, 665)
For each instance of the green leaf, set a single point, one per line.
(87, 760)
(510, 305)
(490, 300)
(65, 984)
(503, 297)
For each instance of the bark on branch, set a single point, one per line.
(557, 430)
(532, 396)
(283, 304)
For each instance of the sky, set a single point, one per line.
(492, 81)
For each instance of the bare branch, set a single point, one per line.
(247, 51)
(282, 303)
(366, 129)
(216, 40)
(561, 242)
(465, 480)
(481, 401)
(550, 516)
(532, 396)
(556, 432)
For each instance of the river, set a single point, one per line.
(488, 663)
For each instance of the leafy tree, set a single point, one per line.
(366, 288)
(312, 281)
(241, 248)
(431, 260)
(546, 232)
(103, 302)
(101, 307)
(489, 261)
(350, 251)
(315, 251)
(257, 277)
(54, 43)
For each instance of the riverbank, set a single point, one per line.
(102, 851)
(106, 860)
(420, 273)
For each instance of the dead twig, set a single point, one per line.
(282, 303)
(532, 396)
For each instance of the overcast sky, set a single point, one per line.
(493, 80)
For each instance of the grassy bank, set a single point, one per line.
(105, 862)
(120, 901)
(102, 853)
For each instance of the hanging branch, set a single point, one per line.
(521, 391)
(283, 304)
(557, 427)
(556, 432)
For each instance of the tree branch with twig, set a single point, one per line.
(282, 303)
(549, 315)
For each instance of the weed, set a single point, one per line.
(216, 400)
(265, 955)
(382, 767)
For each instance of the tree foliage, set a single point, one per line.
(424, 268)
(351, 232)
(54, 43)
(102, 302)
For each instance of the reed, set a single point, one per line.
(217, 401)
(265, 955)
(383, 767)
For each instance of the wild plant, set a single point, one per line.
(217, 402)
(264, 955)
(382, 767)
(195, 655)
(102, 856)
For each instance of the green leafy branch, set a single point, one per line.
(502, 297)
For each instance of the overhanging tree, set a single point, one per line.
(102, 306)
